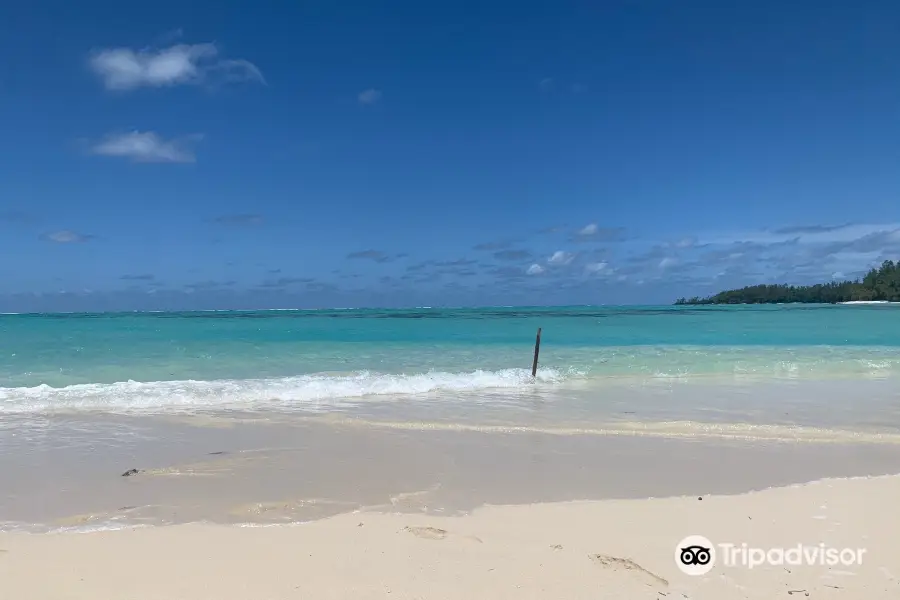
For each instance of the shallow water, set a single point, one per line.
(320, 360)
(319, 412)
(255, 471)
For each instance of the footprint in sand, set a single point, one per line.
(433, 533)
(626, 564)
(428, 533)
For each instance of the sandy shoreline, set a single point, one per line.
(571, 550)
(301, 471)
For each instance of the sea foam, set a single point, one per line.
(306, 392)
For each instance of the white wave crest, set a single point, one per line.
(306, 392)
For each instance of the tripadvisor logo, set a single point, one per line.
(697, 555)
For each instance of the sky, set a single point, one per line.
(215, 155)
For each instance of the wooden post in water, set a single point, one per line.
(537, 350)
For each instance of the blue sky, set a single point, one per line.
(239, 155)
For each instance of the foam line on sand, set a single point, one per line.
(690, 430)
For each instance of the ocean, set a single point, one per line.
(317, 360)
(313, 412)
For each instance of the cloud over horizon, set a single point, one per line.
(692, 263)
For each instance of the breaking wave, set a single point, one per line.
(306, 392)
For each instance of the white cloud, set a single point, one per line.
(599, 268)
(66, 236)
(593, 232)
(560, 257)
(535, 269)
(147, 147)
(370, 96)
(127, 69)
(667, 262)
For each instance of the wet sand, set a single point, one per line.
(535, 498)
(247, 470)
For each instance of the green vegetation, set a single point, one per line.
(882, 283)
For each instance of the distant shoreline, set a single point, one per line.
(879, 286)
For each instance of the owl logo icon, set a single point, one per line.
(695, 555)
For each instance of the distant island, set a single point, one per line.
(881, 284)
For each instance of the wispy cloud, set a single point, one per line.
(127, 69)
(546, 84)
(374, 255)
(599, 268)
(796, 254)
(140, 277)
(803, 234)
(370, 96)
(147, 147)
(242, 220)
(66, 236)
(794, 229)
(686, 242)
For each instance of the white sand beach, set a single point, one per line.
(600, 549)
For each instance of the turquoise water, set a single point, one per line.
(259, 406)
(299, 359)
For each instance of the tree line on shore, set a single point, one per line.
(879, 284)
